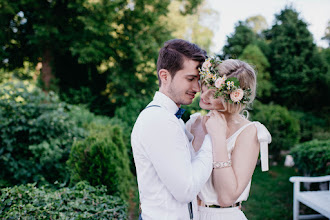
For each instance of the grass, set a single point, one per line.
(271, 194)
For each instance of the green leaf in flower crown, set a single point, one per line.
(234, 79)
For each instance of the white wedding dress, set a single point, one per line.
(208, 194)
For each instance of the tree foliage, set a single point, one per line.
(254, 56)
(36, 134)
(109, 47)
(237, 41)
(297, 69)
(257, 23)
(196, 28)
(327, 33)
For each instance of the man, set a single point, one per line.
(169, 178)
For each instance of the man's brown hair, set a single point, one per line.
(172, 56)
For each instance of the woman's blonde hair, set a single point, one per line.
(246, 77)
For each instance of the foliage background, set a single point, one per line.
(72, 85)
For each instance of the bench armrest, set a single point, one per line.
(306, 179)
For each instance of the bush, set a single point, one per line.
(102, 159)
(311, 126)
(80, 202)
(282, 126)
(36, 135)
(312, 158)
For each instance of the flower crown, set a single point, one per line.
(228, 88)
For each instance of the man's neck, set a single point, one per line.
(165, 93)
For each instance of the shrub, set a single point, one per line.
(312, 158)
(36, 134)
(282, 126)
(80, 202)
(311, 126)
(102, 159)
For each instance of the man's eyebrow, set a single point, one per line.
(196, 76)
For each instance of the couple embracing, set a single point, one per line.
(201, 169)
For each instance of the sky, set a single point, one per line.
(316, 13)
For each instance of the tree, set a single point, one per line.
(327, 33)
(197, 28)
(106, 48)
(236, 42)
(257, 23)
(297, 69)
(254, 56)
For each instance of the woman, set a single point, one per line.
(228, 87)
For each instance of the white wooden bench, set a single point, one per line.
(317, 200)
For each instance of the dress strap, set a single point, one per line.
(241, 129)
(264, 138)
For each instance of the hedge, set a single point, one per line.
(102, 157)
(79, 202)
(312, 158)
(36, 134)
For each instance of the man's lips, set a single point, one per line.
(192, 95)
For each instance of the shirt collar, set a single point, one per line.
(166, 102)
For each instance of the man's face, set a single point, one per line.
(184, 86)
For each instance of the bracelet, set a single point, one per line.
(218, 165)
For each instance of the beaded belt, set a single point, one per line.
(237, 204)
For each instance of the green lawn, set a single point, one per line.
(270, 194)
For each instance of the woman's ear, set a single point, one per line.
(164, 76)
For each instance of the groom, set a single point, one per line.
(169, 177)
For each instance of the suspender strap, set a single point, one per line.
(152, 106)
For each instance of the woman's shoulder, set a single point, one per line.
(258, 131)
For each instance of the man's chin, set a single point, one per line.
(186, 102)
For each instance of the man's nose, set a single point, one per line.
(196, 87)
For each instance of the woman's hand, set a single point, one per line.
(198, 131)
(216, 125)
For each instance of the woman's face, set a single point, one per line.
(208, 101)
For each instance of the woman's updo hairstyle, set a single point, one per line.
(246, 77)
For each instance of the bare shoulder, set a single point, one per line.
(248, 135)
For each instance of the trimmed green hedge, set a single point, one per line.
(102, 157)
(80, 202)
(312, 158)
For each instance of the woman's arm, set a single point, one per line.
(230, 182)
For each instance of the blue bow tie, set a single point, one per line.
(179, 113)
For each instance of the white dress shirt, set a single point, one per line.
(168, 176)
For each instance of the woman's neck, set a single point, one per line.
(233, 118)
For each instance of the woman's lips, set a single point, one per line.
(204, 102)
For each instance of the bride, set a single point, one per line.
(227, 88)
